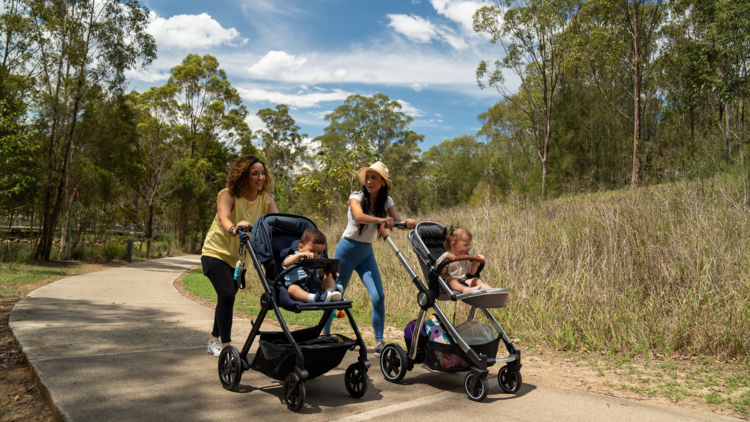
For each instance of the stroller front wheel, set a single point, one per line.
(294, 392)
(480, 390)
(355, 380)
(393, 363)
(230, 368)
(509, 379)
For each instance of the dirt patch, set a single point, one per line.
(681, 382)
(20, 400)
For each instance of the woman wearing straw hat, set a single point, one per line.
(368, 209)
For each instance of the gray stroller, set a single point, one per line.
(427, 242)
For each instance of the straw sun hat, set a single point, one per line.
(378, 167)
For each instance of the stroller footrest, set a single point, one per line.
(320, 306)
(489, 298)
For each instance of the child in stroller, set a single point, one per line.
(460, 275)
(304, 285)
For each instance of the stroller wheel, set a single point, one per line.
(294, 392)
(355, 380)
(509, 379)
(393, 363)
(479, 392)
(230, 368)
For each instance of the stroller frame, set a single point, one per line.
(233, 362)
(475, 383)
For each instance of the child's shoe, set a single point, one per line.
(323, 296)
(335, 295)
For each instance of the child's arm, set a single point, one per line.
(445, 269)
(293, 259)
(475, 264)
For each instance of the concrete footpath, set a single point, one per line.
(123, 344)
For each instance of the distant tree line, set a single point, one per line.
(613, 94)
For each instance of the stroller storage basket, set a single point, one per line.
(276, 359)
(438, 355)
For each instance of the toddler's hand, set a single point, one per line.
(481, 257)
(451, 257)
(307, 255)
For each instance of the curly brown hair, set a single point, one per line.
(239, 174)
(454, 235)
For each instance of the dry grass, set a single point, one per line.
(663, 269)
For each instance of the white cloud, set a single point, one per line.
(302, 101)
(460, 11)
(320, 114)
(192, 31)
(275, 63)
(147, 75)
(339, 73)
(254, 122)
(415, 28)
(410, 109)
(417, 87)
(421, 30)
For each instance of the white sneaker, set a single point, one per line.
(214, 347)
(336, 296)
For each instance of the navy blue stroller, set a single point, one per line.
(291, 356)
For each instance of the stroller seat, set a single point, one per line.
(428, 246)
(280, 241)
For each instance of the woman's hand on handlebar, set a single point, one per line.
(244, 226)
(410, 224)
(388, 222)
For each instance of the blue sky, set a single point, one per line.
(312, 54)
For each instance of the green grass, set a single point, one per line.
(14, 276)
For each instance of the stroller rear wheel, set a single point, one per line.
(294, 392)
(230, 368)
(479, 392)
(509, 379)
(355, 380)
(393, 363)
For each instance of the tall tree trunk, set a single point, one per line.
(727, 133)
(149, 229)
(637, 77)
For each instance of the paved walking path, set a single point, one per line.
(123, 344)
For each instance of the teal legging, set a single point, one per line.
(359, 257)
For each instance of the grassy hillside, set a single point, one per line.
(663, 269)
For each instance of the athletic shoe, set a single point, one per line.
(324, 296)
(335, 295)
(214, 347)
(379, 348)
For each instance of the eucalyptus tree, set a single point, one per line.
(210, 124)
(150, 154)
(378, 117)
(281, 141)
(530, 33)
(77, 46)
(615, 46)
(208, 108)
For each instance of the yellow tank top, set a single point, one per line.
(219, 244)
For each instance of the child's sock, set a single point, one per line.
(311, 298)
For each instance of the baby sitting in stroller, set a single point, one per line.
(461, 274)
(305, 285)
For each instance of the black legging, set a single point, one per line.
(221, 275)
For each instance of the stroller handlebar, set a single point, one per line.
(384, 234)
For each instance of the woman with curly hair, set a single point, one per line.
(244, 200)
